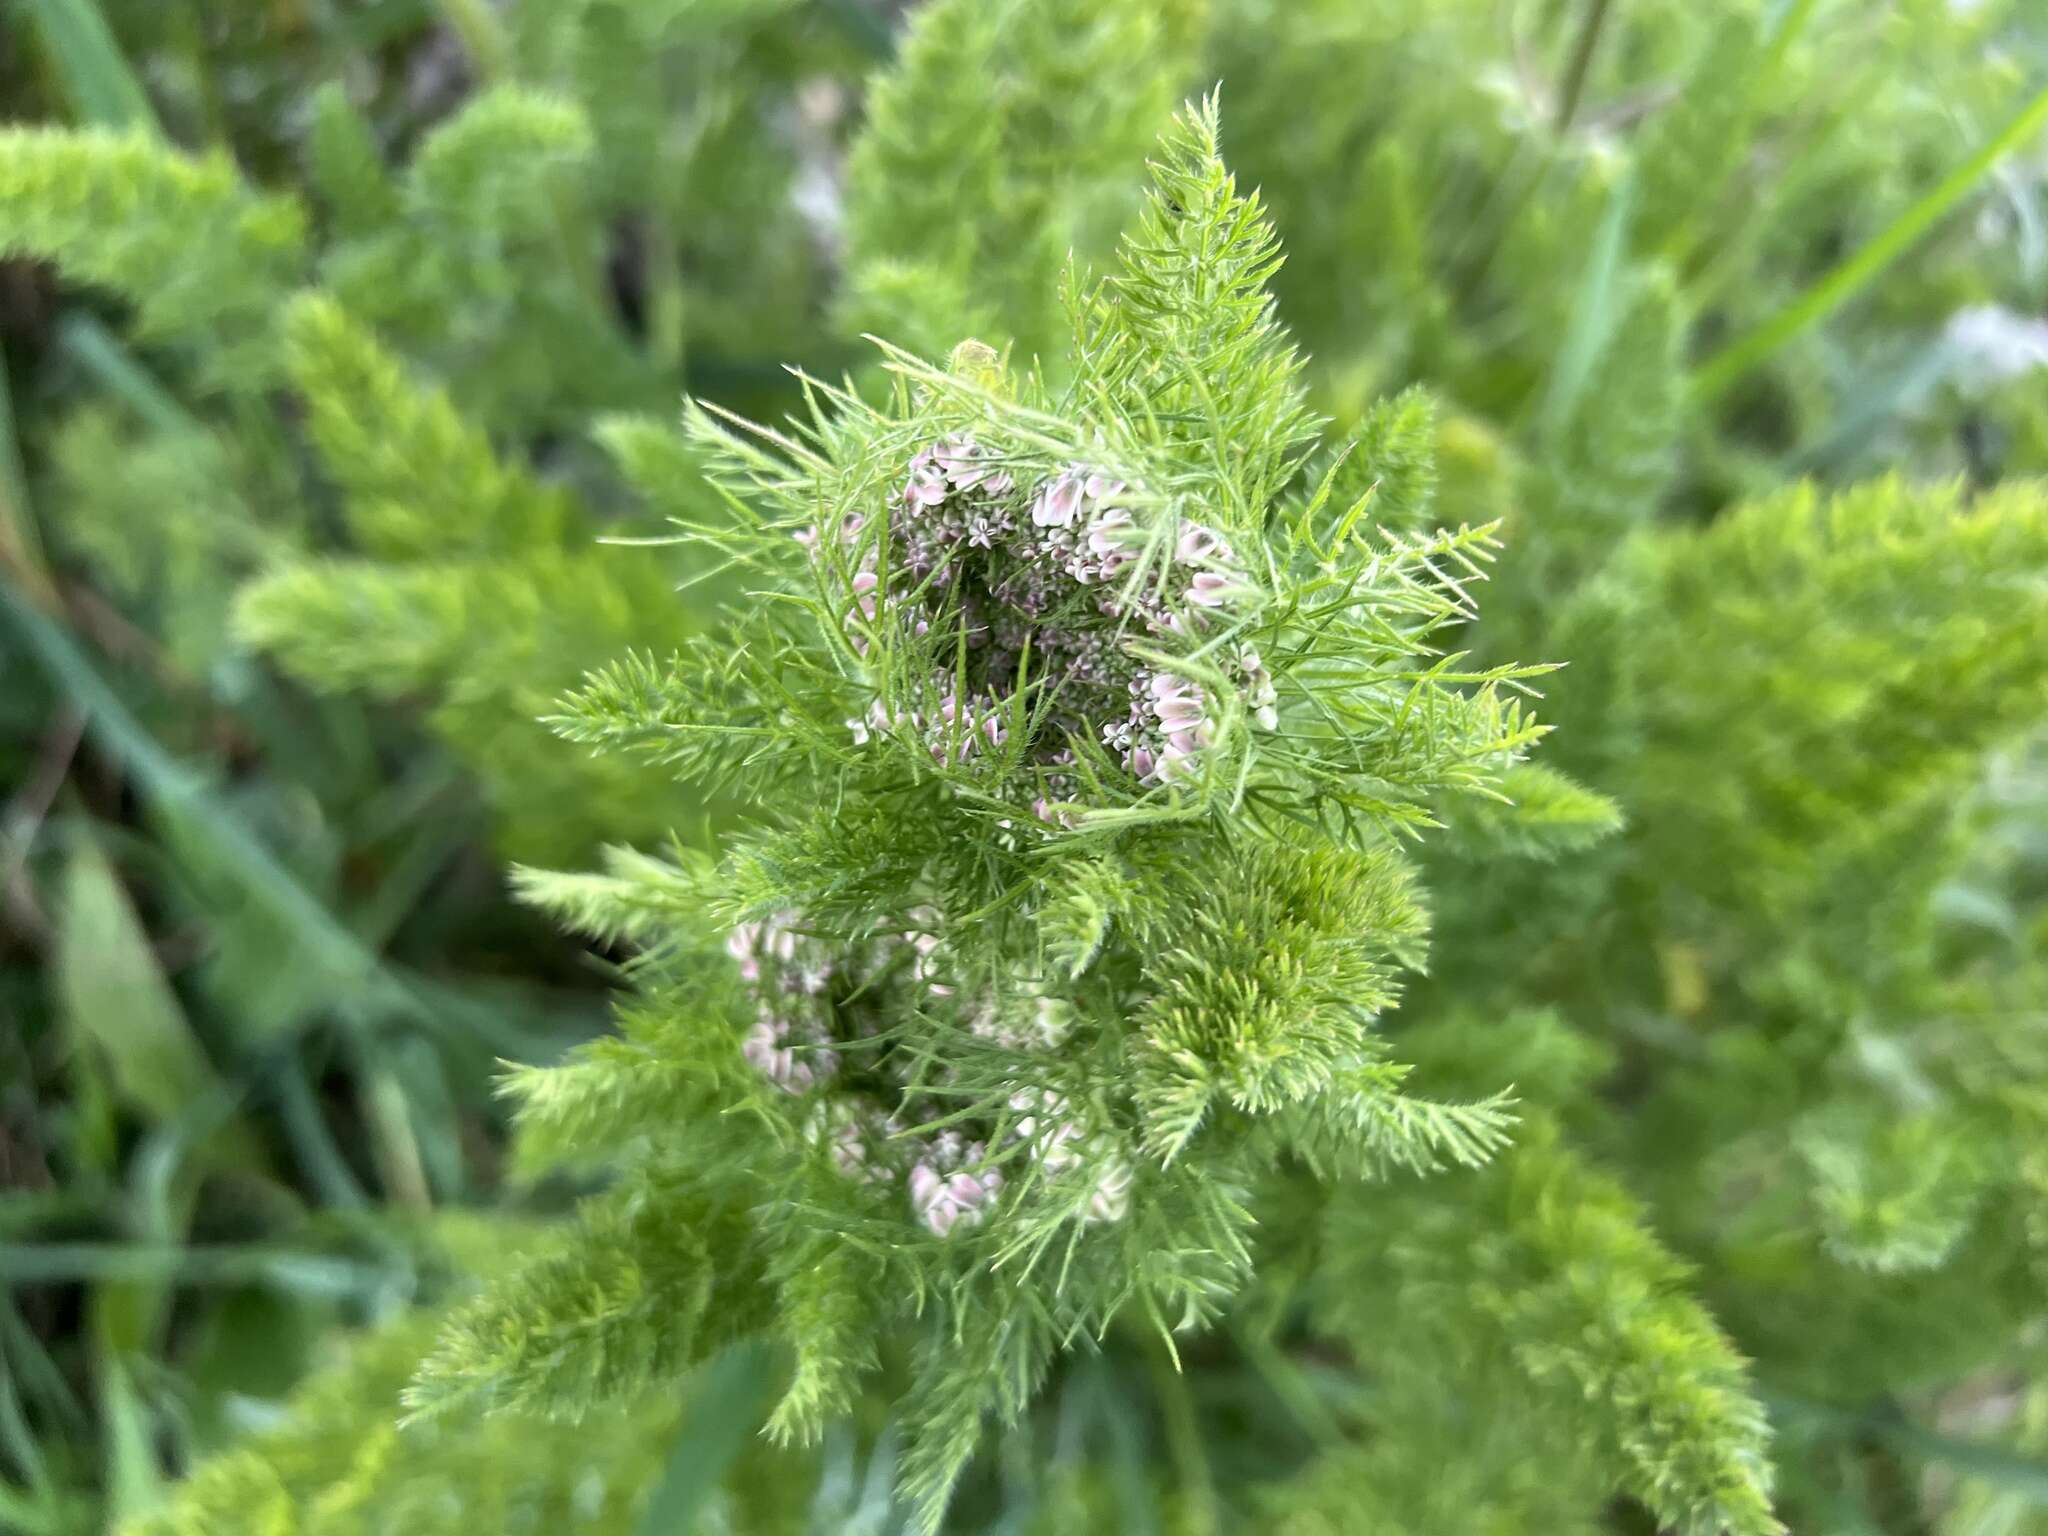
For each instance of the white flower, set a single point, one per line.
(1198, 545)
(1995, 344)
(1112, 1198)
(944, 1194)
(925, 488)
(1211, 589)
(740, 945)
(924, 945)
(1058, 503)
(767, 1049)
(958, 460)
(1110, 533)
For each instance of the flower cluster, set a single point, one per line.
(998, 576)
(788, 972)
(805, 1017)
(1049, 579)
(952, 1182)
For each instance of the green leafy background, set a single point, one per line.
(345, 349)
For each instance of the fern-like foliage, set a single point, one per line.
(203, 258)
(486, 593)
(1477, 205)
(991, 152)
(1080, 739)
(1541, 1305)
(1810, 938)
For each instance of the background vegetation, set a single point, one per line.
(336, 335)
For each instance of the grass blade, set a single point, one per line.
(727, 1407)
(330, 959)
(21, 546)
(1860, 269)
(1595, 309)
(116, 997)
(95, 78)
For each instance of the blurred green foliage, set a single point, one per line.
(337, 335)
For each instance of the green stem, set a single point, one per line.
(349, 973)
(728, 1400)
(319, 1156)
(297, 1272)
(394, 1143)
(95, 78)
(21, 546)
(665, 307)
(1583, 47)
(477, 26)
(1196, 1484)
(1285, 1380)
(1851, 276)
(1790, 25)
(113, 367)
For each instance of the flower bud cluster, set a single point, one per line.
(788, 973)
(1048, 579)
(1059, 1144)
(952, 1183)
(952, 1179)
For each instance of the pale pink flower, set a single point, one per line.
(925, 488)
(1110, 533)
(1058, 503)
(852, 1136)
(959, 460)
(1259, 692)
(1177, 704)
(1178, 760)
(767, 1049)
(1043, 1127)
(1197, 545)
(740, 945)
(864, 585)
(944, 1194)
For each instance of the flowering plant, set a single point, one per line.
(1082, 735)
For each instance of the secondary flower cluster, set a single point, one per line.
(806, 1017)
(1049, 581)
